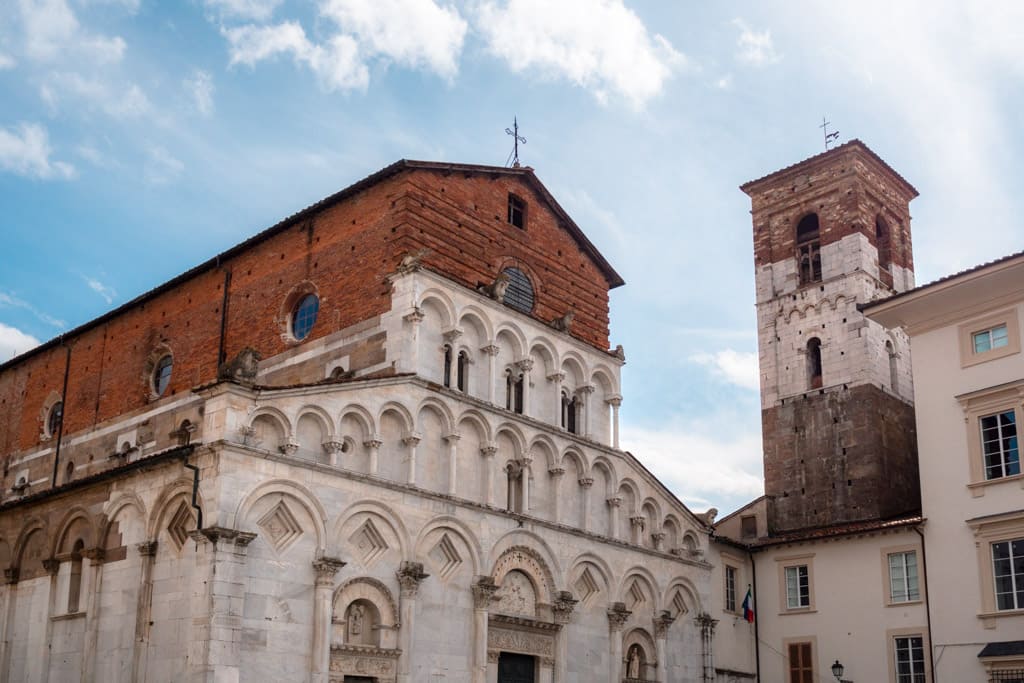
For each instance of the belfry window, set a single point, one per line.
(516, 211)
(75, 577)
(162, 374)
(447, 365)
(883, 243)
(519, 294)
(513, 391)
(54, 418)
(808, 249)
(462, 371)
(814, 363)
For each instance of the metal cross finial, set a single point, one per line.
(829, 137)
(514, 132)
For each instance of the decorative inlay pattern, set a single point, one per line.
(586, 587)
(679, 605)
(636, 596)
(179, 526)
(369, 543)
(280, 527)
(446, 557)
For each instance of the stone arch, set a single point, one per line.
(76, 523)
(27, 535)
(532, 545)
(605, 465)
(652, 511)
(544, 349)
(371, 589)
(126, 506)
(360, 416)
(326, 421)
(479, 422)
(313, 428)
(638, 576)
(515, 434)
(597, 588)
(687, 595)
(271, 428)
(526, 560)
(515, 338)
(404, 416)
(575, 371)
(164, 504)
(433, 424)
(638, 654)
(295, 492)
(673, 532)
(542, 444)
(380, 512)
(578, 457)
(474, 316)
(627, 485)
(441, 302)
(691, 544)
(442, 410)
(460, 529)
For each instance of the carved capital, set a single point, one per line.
(94, 555)
(493, 656)
(412, 440)
(614, 400)
(658, 538)
(326, 568)
(614, 501)
(490, 350)
(586, 389)
(51, 565)
(638, 520)
(290, 447)
(556, 377)
(526, 364)
(410, 575)
(661, 624)
(333, 446)
(452, 438)
(556, 471)
(217, 534)
(586, 482)
(373, 443)
(147, 548)
(415, 316)
(11, 574)
(618, 615)
(483, 592)
(563, 606)
(706, 624)
(488, 449)
(452, 333)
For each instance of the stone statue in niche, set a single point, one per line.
(356, 614)
(633, 667)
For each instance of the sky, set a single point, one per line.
(139, 138)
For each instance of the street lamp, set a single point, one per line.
(837, 670)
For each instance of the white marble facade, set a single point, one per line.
(389, 529)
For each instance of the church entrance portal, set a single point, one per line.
(516, 668)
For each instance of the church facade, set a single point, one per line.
(377, 442)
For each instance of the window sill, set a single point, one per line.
(905, 603)
(988, 619)
(798, 610)
(68, 616)
(977, 488)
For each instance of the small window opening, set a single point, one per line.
(462, 371)
(516, 211)
(69, 472)
(447, 365)
(569, 411)
(748, 524)
(883, 243)
(814, 363)
(514, 472)
(75, 579)
(808, 247)
(513, 391)
(55, 418)
(162, 374)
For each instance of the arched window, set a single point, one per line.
(894, 378)
(514, 472)
(883, 242)
(55, 417)
(519, 294)
(814, 363)
(304, 316)
(513, 391)
(162, 374)
(462, 371)
(69, 472)
(569, 410)
(447, 365)
(75, 577)
(808, 249)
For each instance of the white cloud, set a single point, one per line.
(254, 10)
(120, 102)
(200, 87)
(14, 342)
(598, 45)
(10, 300)
(736, 367)
(52, 32)
(701, 461)
(724, 83)
(337, 63)
(755, 47)
(162, 167)
(414, 33)
(25, 150)
(6, 62)
(108, 293)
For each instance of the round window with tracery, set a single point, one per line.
(304, 316)
(519, 294)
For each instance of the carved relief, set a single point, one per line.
(517, 595)
(537, 644)
(529, 562)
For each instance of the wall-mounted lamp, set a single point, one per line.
(837, 670)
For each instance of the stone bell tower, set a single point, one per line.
(831, 233)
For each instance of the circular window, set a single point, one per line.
(55, 417)
(519, 294)
(304, 316)
(162, 375)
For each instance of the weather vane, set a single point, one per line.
(514, 132)
(829, 137)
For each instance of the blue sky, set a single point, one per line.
(138, 138)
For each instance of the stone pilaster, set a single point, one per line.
(411, 441)
(707, 638)
(452, 440)
(326, 568)
(143, 606)
(487, 451)
(373, 445)
(484, 589)
(410, 576)
(618, 615)
(661, 624)
(556, 473)
(561, 610)
(92, 611)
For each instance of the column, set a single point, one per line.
(658, 539)
(525, 366)
(410, 442)
(332, 448)
(325, 568)
(410, 575)
(556, 474)
(147, 553)
(524, 490)
(483, 592)
(217, 597)
(618, 615)
(492, 360)
(92, 611)
(414, 318)
(614, 503)
(584, 393)
(373, 445)
(636, 525)
(487, 451)
(707, 637)
(615, 401)
(557, 378)
(561, 610)
(661, 624)
(52, 567)
(10, 590)
(453, 446)
(585, 484)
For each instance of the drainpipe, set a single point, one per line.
(223, 316)
(927, 605)
(63, 411)
(757, 639)
(195, 493)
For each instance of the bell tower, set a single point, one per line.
(831, 233)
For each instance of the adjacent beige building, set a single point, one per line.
(965, 333)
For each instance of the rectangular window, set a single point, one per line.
(730, 588)
(798, 588)
(1008, 571)
(993, 338)
(801, 667)
(748, 525)
(909, 659)
(809, 258)
(516, 211)
(999, 444)
(903, 585)
(1007, 676)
